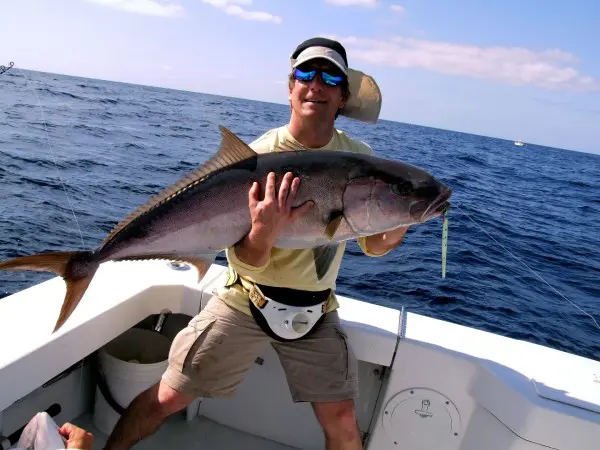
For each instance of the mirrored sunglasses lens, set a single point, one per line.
(332, 80)
(304, 75)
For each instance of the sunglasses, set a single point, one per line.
(309, 75)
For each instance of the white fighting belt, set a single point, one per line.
(287, 322)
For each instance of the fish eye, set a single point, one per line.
(401, 188)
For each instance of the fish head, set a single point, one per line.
(393, 195)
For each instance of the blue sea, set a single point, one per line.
(523, 238)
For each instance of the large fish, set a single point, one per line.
(207, 211)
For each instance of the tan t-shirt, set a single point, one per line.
(291, 268)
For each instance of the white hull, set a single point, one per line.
(425, 384)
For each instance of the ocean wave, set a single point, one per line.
(115, 145)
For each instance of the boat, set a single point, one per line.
(425, 383)
(519, 143)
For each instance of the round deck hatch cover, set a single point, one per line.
(421, 419)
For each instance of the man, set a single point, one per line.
(211, 356)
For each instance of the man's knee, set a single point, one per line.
(162, 400)
(338, 418)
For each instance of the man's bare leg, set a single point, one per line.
(145, 415)
(338, 420)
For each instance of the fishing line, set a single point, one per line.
(81, 364)
(529, 268)
(53, 157)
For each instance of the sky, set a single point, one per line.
(510, 69)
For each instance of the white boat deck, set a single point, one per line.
(199, 433)
(444, 386)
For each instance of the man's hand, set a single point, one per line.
(76, 437)
(269, 216)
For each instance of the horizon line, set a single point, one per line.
(155, 86)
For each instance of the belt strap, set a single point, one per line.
(287, 308)
(288, 296)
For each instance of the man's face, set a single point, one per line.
(314, 98)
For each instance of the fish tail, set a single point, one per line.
(77, 268)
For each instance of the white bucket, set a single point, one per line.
(130, 364)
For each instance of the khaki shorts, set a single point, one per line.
(211, 356)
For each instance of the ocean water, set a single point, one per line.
(523, 233)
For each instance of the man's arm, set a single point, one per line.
(251, 252)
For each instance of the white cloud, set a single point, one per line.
(233, 8)
(549, 69)
(364, 3)
(160, 8)
(397, 8)
(226, 2)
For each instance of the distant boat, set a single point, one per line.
(519, 143)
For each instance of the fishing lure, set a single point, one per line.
(444, 242)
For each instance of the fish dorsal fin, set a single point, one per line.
(287, 146)
(231, 151)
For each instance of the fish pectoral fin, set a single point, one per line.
(323, 257)
(334, 222)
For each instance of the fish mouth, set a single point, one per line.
(439, 206)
